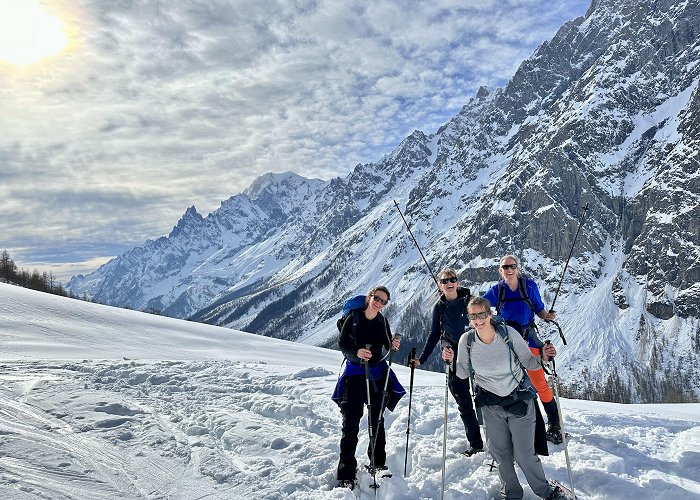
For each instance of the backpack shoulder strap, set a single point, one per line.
(522, 288)
(441, 306)
(355, 313)
(386, 328)
(471, 334)
(502, 330)
(353, 316)
(501, 296)
(470, 338)
(522, 291)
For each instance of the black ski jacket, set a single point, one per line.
(450, 316)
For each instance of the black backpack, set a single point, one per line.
(526, 331)
(522, 289)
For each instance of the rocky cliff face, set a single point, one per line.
(604, 114)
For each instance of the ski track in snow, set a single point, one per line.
(235, 429)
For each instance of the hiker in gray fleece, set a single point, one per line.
(509, 413)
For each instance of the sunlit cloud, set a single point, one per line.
(160, 105)
(29, 32)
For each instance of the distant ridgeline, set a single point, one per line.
(606, 113)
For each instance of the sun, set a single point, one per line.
(29, 32)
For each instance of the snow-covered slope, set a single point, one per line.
(604, 114)
(104, 403)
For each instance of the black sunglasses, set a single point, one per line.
(481, 315)
(445, 281)
(509, 266)
(381, 301)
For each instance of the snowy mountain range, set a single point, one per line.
(606, 114)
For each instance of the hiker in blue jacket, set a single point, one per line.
(449, 323)
(517, 300)
(365, 327)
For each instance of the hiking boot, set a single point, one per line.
(347, 483)
(557, 494)
(473, 450)
(554, 433)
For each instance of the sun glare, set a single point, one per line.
(28, 32)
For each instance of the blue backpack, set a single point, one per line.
(351, 307)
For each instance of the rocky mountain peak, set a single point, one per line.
(604, 114)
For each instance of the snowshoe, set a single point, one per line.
(380, 470)
(560, 492)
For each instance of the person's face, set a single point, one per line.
(508, 269)
(479, 316)
(378, 300)
(448, 284)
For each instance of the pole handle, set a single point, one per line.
(368, 347)
(411, 355)
(551, 360)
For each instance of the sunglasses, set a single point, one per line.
(452, 279)
(509, 266)
(481, 315)
(381, 301)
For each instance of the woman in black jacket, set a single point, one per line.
(362, 328)
(449, 323)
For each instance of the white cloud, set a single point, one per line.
(159, 105)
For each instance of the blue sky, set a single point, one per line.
(154, 106)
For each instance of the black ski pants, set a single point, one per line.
(352, 410)
(460, 391)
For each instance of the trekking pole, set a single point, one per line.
(480, 418)
(369, 420)
(561, 280)
(380, 415)
(566, 265)
(432, 274)
(444, 433)
(561, 422)
(411, 355)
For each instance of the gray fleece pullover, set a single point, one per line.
(494, 367)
